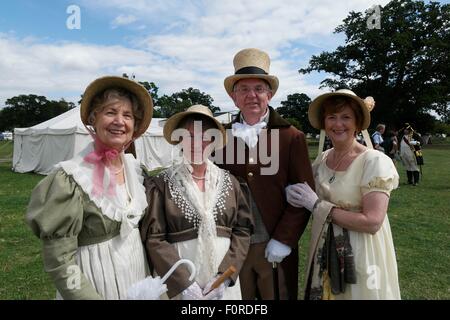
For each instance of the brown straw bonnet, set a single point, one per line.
(316, 105)
(173, 122)
(101, 84)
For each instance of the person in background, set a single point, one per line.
(87, 211)
(377, 137)
(197, 211)
(408, 158)
(391, 145)
(351, 253)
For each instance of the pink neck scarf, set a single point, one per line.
(101, 157)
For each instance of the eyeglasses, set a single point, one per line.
(246, 90)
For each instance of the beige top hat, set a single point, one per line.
(103, 83)
(316, 105)
(173, 122)
(251, 63)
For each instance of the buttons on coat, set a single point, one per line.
(251, 160)
(250, 174)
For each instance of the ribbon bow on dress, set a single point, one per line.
(101, 157)
(247, 132)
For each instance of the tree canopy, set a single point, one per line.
(27, 110)
(180, 101)
(296, 107)
(404, 64)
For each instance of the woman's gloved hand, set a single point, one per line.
(301, 195)
(217, 293)
(193, 292)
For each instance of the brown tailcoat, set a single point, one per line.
(283, 222)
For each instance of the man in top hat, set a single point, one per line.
(269, 154)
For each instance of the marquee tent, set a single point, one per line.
(40, 147)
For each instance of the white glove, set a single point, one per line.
(217, 293)
(276, 251)
(301, 195)
(193, 292)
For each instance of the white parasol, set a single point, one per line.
(152, 288)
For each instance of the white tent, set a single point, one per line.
(40, 147)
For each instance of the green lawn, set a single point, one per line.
(419, 216)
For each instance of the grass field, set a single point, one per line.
(419, 217)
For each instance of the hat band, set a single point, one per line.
(250, 70)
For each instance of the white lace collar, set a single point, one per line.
(111, 207)
(201, 210)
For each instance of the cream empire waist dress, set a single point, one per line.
(375, 260)
(91, 245)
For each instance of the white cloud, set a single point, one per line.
(28, 66)
(184, 44)
(123, 19)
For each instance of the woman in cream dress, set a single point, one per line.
(351, 254)
(87, 211)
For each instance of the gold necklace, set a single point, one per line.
(198, 178)
(333, 177)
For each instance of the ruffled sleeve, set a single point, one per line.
(379, 174)
(55, 215)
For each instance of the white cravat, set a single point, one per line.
(249, 133)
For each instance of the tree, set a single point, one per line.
(153, 90)
(180, 101)
(296, 107)
(27, 110)
(404, 65)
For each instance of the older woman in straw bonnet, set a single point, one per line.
(198, 212)
(87, 211)
(351, 253)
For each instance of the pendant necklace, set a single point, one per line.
(333, 177)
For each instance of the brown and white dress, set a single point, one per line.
(211, 228)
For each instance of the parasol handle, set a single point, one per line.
(222, 278)
(181, 261)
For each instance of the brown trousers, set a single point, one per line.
(256, 276)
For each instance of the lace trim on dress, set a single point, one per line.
(110, 206)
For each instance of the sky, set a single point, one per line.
(46, 50)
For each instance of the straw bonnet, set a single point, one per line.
(99, 85)
(173, 122)
(251, 63)
(316, 105)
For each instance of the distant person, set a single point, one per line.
(351, 253)
(87, 211)
(377, 137)
(408, 157)
(391, 145)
